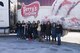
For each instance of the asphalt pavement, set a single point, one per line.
(14, 45)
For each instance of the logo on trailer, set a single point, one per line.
(30, 10)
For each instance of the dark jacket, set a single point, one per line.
(53, 29)
(18, 25)
(34, 28)
(43, 28)
(26, 30)
(59, 29)
(29, 28)
(48, 29)
(18, 28)
(22, 25)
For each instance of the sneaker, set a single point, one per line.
(27, 39)
(18, 38)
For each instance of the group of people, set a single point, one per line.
(40, 30)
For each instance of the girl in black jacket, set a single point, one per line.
(48, 30)
(29, 30)
(43, 29)
(34, 30)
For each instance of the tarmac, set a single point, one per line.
(10, 44)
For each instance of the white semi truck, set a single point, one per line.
(65, 11)
(4, 16)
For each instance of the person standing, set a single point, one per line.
(29, 30)
(39, 30)
(43, 29)
(53, 30)
(59, 30)
(34, 29)
(22, 30)
(18, 29)
(48, 30)
(26, 31)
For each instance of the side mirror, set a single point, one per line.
(1, 4)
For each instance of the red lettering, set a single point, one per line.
(30, 10)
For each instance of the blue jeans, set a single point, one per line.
(22, 33)
(18, 33)
(39, 35)
(59, 38)
(35, 34)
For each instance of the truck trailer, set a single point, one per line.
(65, 11)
